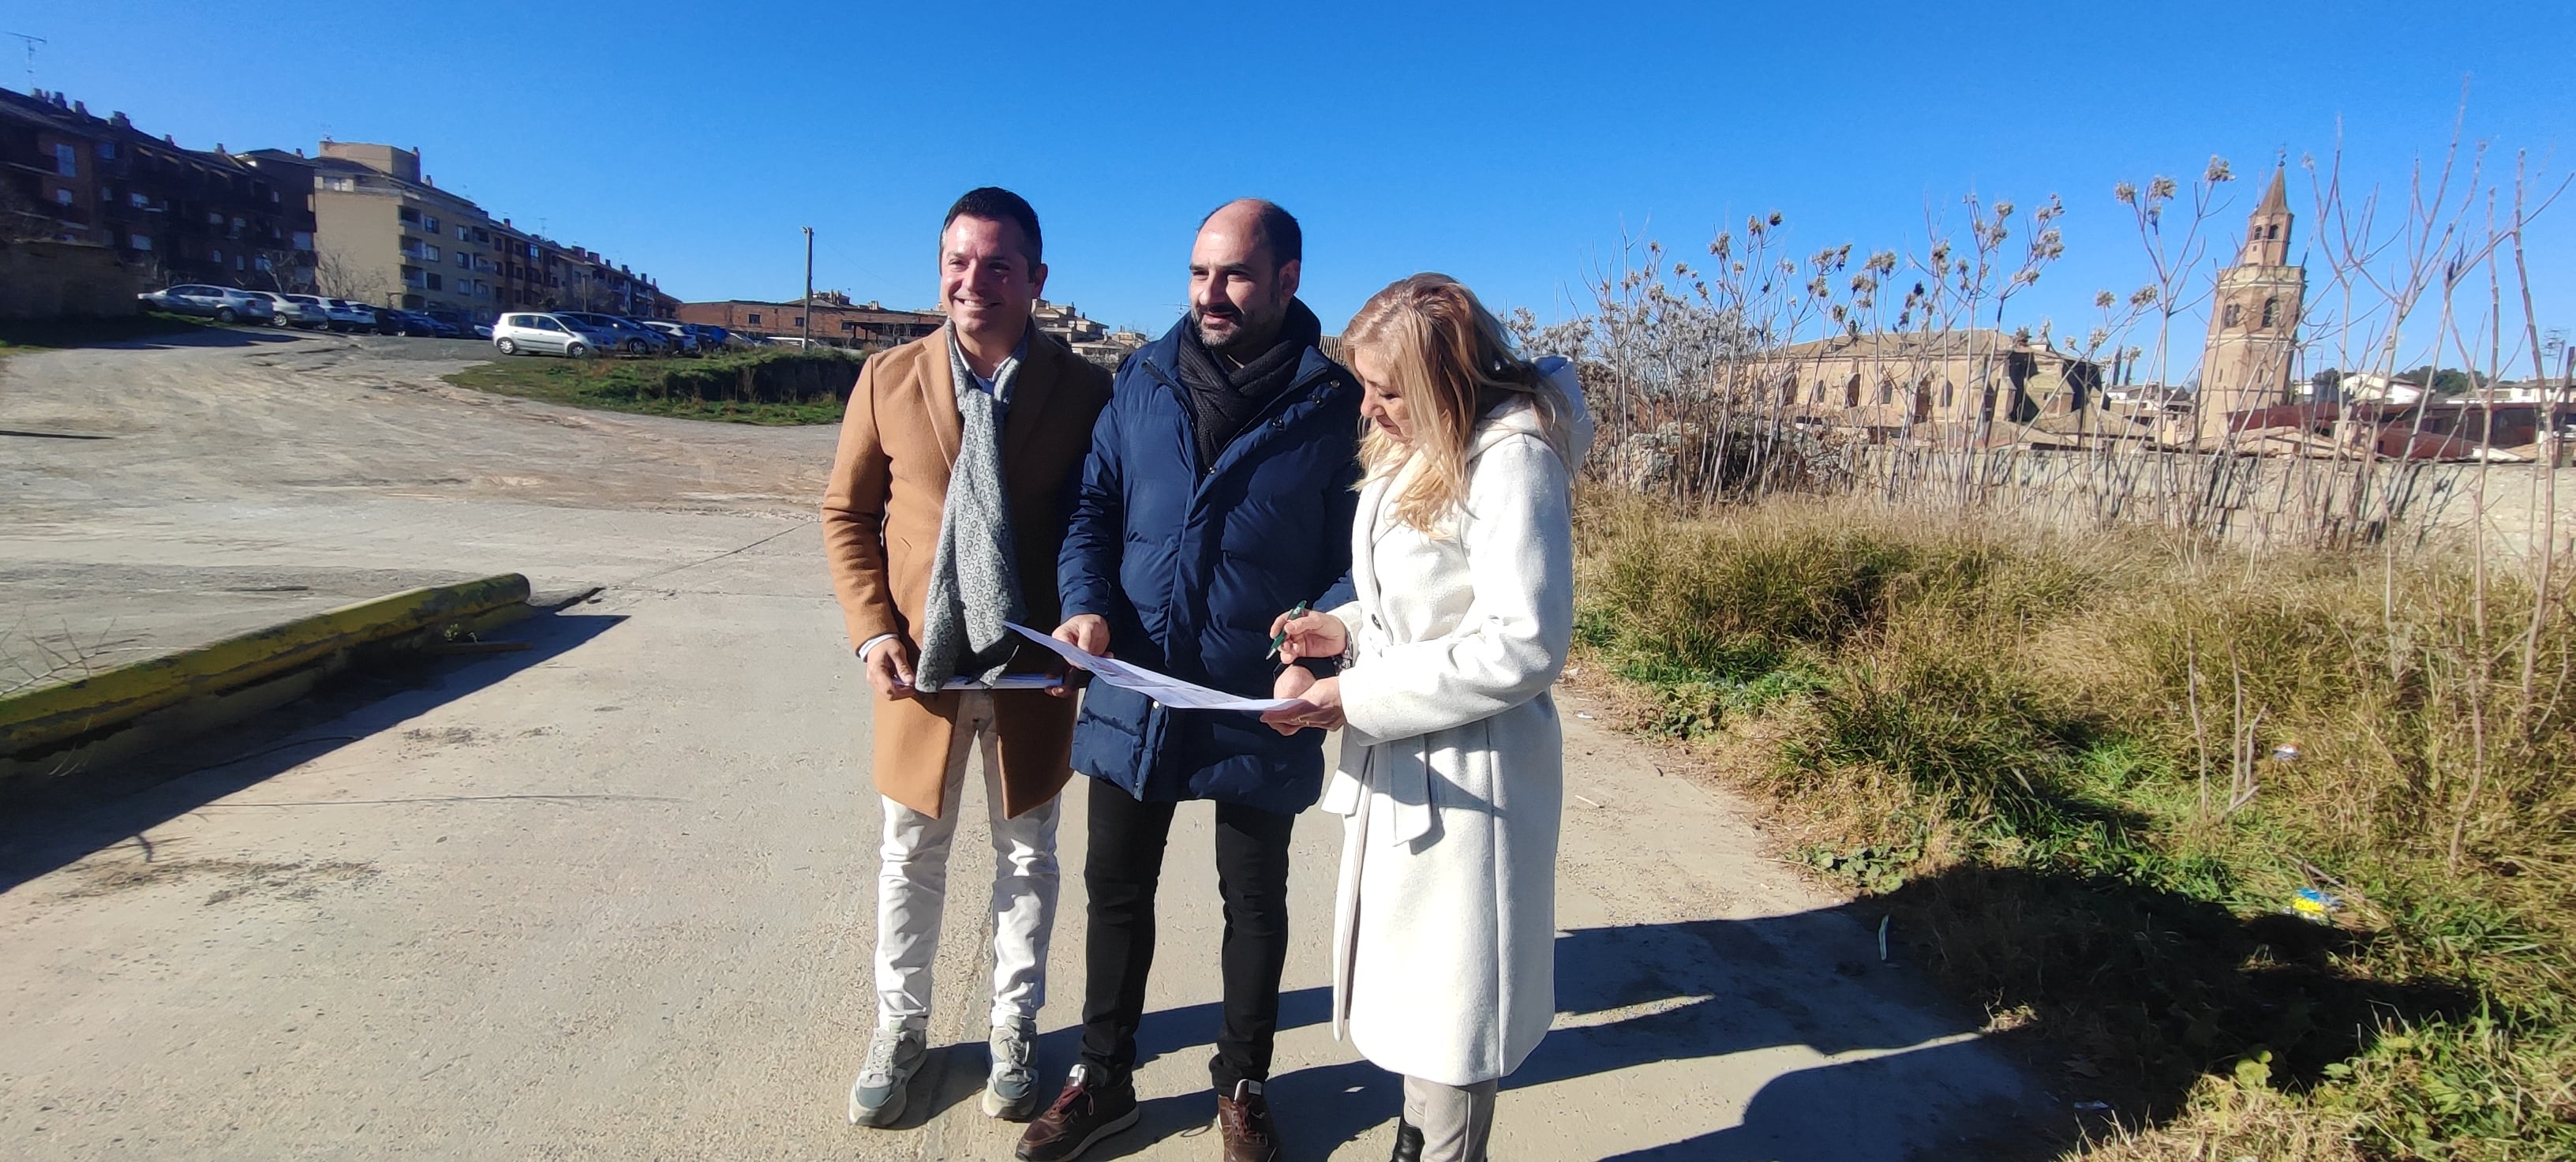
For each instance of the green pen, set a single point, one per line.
(1281, 638)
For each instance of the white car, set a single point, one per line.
(295, 310)
(550, 334)
(338, 314)
(351, 316)
(682, 339)
(223, 304)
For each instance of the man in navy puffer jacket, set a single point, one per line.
(1216, 496)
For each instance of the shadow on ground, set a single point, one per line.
(1636, 998)
(2148, 989)
(138, 333)
(99, 809)
(2135, 993)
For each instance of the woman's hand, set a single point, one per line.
(1319, 708)
(1316, 634)
(1292, 682)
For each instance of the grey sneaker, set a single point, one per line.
(876, 1098)
(1011, 1091)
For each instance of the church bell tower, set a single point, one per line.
(2254, 320)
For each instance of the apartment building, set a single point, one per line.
(387, 234)
(187, 215)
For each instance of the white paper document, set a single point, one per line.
(1170, 691)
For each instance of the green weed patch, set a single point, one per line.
(762, 387)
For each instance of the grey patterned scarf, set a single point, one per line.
(974, 580)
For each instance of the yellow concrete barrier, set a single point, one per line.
(52, 714)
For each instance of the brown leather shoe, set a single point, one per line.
(1091, 1107)
(1244, 1120)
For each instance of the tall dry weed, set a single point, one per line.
(2089, 770)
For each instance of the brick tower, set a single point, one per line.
(2254, 320)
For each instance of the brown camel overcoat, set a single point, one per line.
(881, 511)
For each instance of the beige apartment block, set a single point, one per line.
(386, 234)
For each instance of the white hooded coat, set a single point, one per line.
(1452, 769)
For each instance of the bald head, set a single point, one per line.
(1243, 276)
(1273, 229)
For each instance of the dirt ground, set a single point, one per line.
(158, 496)
(614, 896)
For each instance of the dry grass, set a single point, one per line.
(2053, 756)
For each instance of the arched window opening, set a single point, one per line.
(2228, 317)
(2271, 311)
(1817, 393)
(1789, 390)
(1946, 393)
(1886, 390)
(1851, 391)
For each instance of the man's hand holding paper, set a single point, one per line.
(1163, 688)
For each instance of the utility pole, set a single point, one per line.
(32, 42)
(807, 318)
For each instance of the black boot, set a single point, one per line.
(1408, 1142)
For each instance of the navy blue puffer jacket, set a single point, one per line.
(1190, 562)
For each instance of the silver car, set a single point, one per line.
(550, 334)
(680, 335)
(303, 311)
(633, 338)
(221, 303)
(360, 316)
(339, 315)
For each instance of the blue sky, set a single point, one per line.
(1507, 144)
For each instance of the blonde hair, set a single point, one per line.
(1453, 364)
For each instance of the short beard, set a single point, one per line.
(1238, 345)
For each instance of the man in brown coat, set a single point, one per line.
(942, 521)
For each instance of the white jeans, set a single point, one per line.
(912, 887)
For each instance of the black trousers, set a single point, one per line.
(1120, 873)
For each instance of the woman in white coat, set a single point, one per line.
(1452, 768)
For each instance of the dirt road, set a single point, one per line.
(613, 897)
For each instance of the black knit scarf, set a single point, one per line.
(1223, 400)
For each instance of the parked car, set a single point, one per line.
(332, 316)
(294, 311)
(222, 304)
(633, 338)
(710, 337)
(465, 327)
(345, 315)
(391, 321)
(679, 333)
(550, 334)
